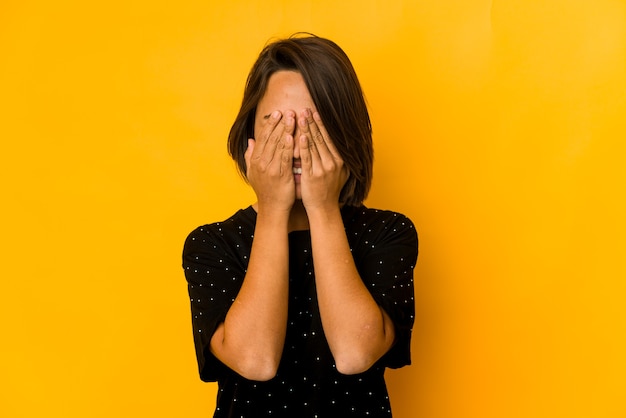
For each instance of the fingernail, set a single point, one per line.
(275, 114)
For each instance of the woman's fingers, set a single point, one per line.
(269, 161)
(269, 137)
(308, 149)
(276, 132)
(323, 171)
(319, 144)
(284, 146)
(286, 155)
(319, 126)
(316, 134)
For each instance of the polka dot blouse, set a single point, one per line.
(215, 258)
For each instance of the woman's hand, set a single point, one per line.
(269, 161)
(323, 170)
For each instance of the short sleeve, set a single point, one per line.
(214, 273)
(385, 256)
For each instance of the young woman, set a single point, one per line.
(300, 301)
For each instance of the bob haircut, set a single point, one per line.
(338, 97)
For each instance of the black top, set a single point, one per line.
(215, 258)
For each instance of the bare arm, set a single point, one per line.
(251, 338)
(358, 331)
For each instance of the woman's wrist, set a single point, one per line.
(324, 214)
(271, 216)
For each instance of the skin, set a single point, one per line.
(290, 133)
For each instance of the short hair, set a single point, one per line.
(338, 97)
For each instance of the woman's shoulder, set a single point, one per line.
(363, 215)
(240, 222)
(371, 224)
(372, 232)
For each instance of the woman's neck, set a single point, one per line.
(298, 219)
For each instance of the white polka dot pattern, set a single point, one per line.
(215, 258)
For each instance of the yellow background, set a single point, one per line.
(500, 129)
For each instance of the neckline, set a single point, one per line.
(346, 213)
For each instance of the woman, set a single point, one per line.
(300, 301)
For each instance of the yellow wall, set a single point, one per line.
(500, 129)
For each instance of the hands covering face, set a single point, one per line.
(273, 155)
(269, 161)
(323, 171)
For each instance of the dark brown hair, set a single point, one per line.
(336, 92)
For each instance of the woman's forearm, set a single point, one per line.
(358, 331)
(251, 338)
